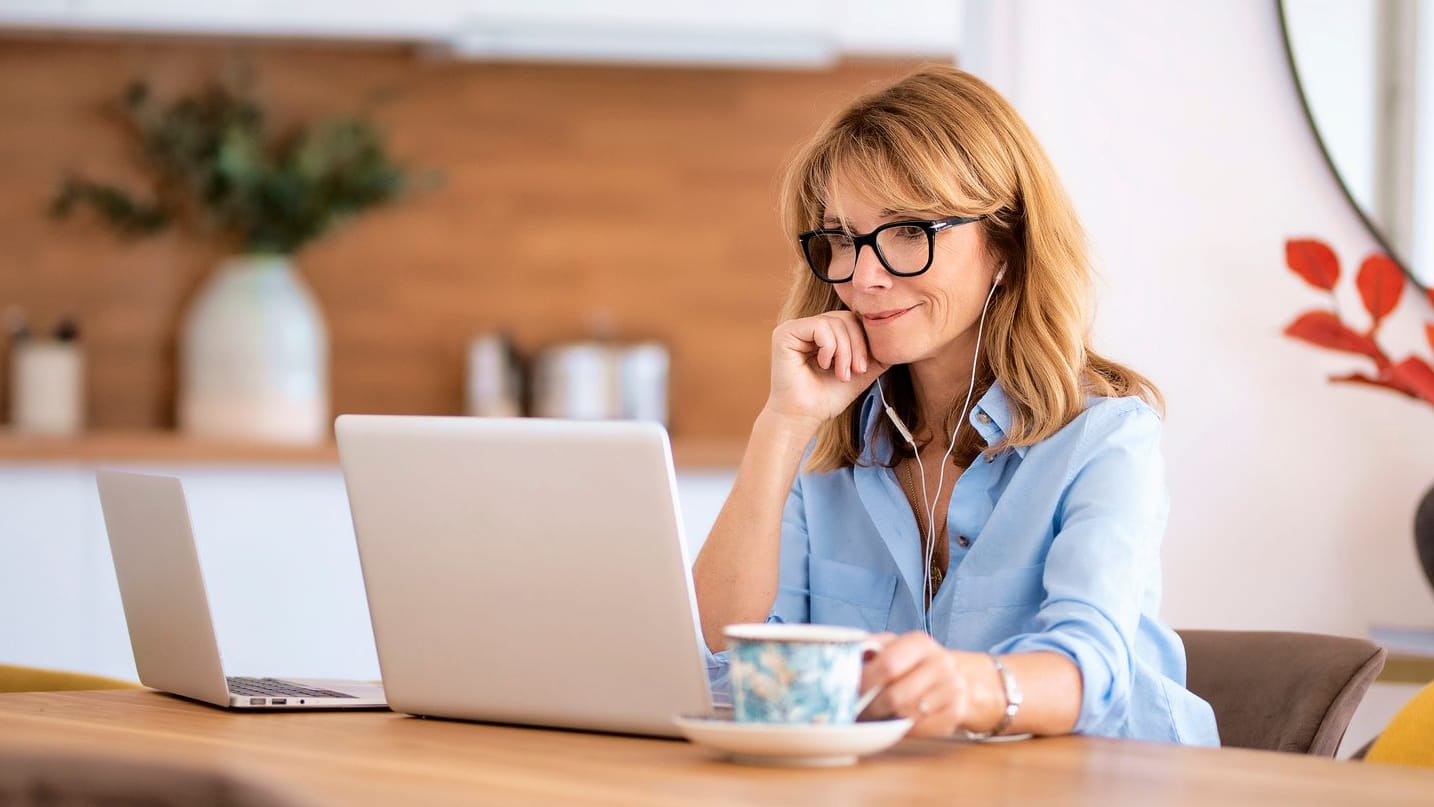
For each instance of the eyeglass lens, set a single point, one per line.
(904, 250)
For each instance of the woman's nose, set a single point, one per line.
(869, 272)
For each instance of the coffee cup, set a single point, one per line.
(798, 673)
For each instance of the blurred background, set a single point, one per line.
(567, 208)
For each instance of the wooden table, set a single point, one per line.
(386, 758)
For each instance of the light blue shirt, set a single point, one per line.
(1063, 556)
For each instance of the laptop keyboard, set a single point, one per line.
(273, 687)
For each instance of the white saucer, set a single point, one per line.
(780, 744)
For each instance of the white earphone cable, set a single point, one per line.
(927, 504)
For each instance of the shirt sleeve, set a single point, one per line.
(791, 604)
(1109, 525)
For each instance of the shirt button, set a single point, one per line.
(963, 541)
(990, 458)
(983, 418)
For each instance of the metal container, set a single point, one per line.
(643, 378)
(577, 381)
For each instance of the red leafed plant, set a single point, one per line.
(1380, 282)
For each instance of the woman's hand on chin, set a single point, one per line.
(820, 365)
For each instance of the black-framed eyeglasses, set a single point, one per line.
(905, 248)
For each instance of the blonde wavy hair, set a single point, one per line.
(942, 142)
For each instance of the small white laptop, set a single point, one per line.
(526, 570)
(167, 609)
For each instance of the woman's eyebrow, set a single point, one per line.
(885, 213)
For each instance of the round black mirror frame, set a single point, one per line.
(1369, 224)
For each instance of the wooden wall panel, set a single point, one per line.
(570, 195)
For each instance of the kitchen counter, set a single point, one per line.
(173, 448)
(275, 541)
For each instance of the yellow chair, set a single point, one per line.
(1409, 737)
(14, 678)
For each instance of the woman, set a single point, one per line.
(1013, 544)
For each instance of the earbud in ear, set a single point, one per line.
(999, 275)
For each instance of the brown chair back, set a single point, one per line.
(1276, 691)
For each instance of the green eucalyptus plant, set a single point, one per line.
(216, 168)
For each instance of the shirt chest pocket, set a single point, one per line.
(1006, 588)
(845, 594)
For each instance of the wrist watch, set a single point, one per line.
(1013, 703)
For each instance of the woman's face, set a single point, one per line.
(915, 319)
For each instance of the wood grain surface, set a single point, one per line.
(386, 758)
(572, 200)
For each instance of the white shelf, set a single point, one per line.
(810, 33)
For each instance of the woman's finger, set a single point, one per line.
(880, 640)
(924, 692)
(841, 357)
(856, 336)
(825, 339)
(896, 658)
(869, 366)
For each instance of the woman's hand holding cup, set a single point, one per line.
(939, 689)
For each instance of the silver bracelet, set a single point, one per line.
(1013, 703)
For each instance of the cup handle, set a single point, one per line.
(866, 699)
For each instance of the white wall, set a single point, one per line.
(1421, 247)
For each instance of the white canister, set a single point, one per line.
(644, 382)
(47, 387)
(494, 384)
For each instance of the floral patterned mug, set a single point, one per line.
(797, 673)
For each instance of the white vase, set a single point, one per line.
(254, 356)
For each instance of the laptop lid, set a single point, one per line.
(525, 570)
(167, 608)
(161, 585)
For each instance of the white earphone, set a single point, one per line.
(901, 427)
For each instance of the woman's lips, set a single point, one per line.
(883, 317)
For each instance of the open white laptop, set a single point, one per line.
(167, 609)
(526, 571)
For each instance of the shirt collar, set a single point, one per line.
(990, 417)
